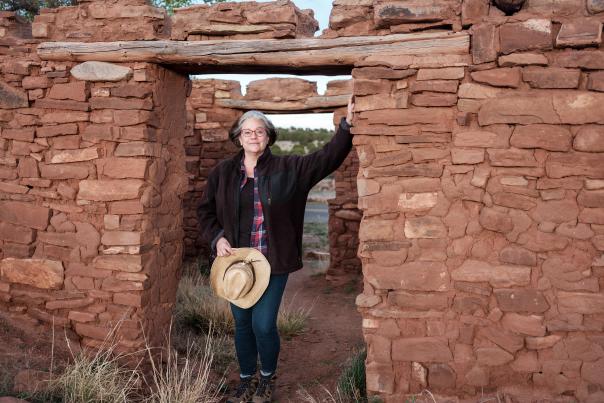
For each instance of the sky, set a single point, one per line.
(322, 9)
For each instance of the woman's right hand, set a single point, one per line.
(223, 247)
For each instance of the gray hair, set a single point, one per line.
(235, 131)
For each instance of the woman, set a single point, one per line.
(256, 199)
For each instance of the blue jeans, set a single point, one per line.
(256, 329)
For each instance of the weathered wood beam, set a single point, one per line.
(267, 54)
(310, 104)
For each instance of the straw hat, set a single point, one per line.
(241, 277)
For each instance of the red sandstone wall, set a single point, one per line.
(92, 177)
(481, 190)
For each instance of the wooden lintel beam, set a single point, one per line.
(284, 54)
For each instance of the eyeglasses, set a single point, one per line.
(259, 132)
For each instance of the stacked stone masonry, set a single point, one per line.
(212, 111)
(481, 186)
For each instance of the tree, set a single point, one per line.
(30, 8)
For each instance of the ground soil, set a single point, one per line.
(315, 359)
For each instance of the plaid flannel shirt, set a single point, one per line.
(259, 236)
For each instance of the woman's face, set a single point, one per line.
(254, 136)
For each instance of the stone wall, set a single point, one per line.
(481, 187)
(92, 176)
(229, 20)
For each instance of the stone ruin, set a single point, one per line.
(480, 145)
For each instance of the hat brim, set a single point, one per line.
(262, 274)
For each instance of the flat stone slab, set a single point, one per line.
(100, 71)
(39, 273)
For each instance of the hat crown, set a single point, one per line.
(238, 280)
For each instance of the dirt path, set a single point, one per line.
(315, 359)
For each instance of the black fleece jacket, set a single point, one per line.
(283, 183)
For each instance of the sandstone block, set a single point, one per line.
(389, 13)
(122, 263)
(441, 376)
(425, 227)
(110, 189)
(415, 276)
(65, 117)
(121, 238)
(477, 376)
(421, 349)
(12, 98)
(485, 43)
(495, 220)
(75, 90)
(541, 343)
(121, 103)
(25, 134)
(557, 211)
(69, 303)
(100, 71)
(592, 372)
(523, 59)
(57, 130)
(560, 165)
(472, 11)
(512, 158)
(500, 77)
(548, 137)
(492, 356)
(497, 276)
(517, 255)
(39, 273)
(478, 91)
(505, 339)
(445, 73)
(138, 148)
(34, 82)
(120, 168)
(528, 325)
(433, 99)
(467, 156)
(527, 35)
(519, 109)
(274, 89)
(481, 138)
(551, 77)
(589, 138)
(521, 300)
(17, 234)
(580, 302)
(63, 171)
(84, 154)
(24, 214)
(380, 101)
(579, 33)
(596, 81)
(421, 302)
(434, 86)
(526, 362)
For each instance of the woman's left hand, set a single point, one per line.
(350, 110)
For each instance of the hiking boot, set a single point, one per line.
(265, 389)
(245, 390)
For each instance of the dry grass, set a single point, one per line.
(184, 378)
(292, 320)
(97, 376)
(197, 307)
